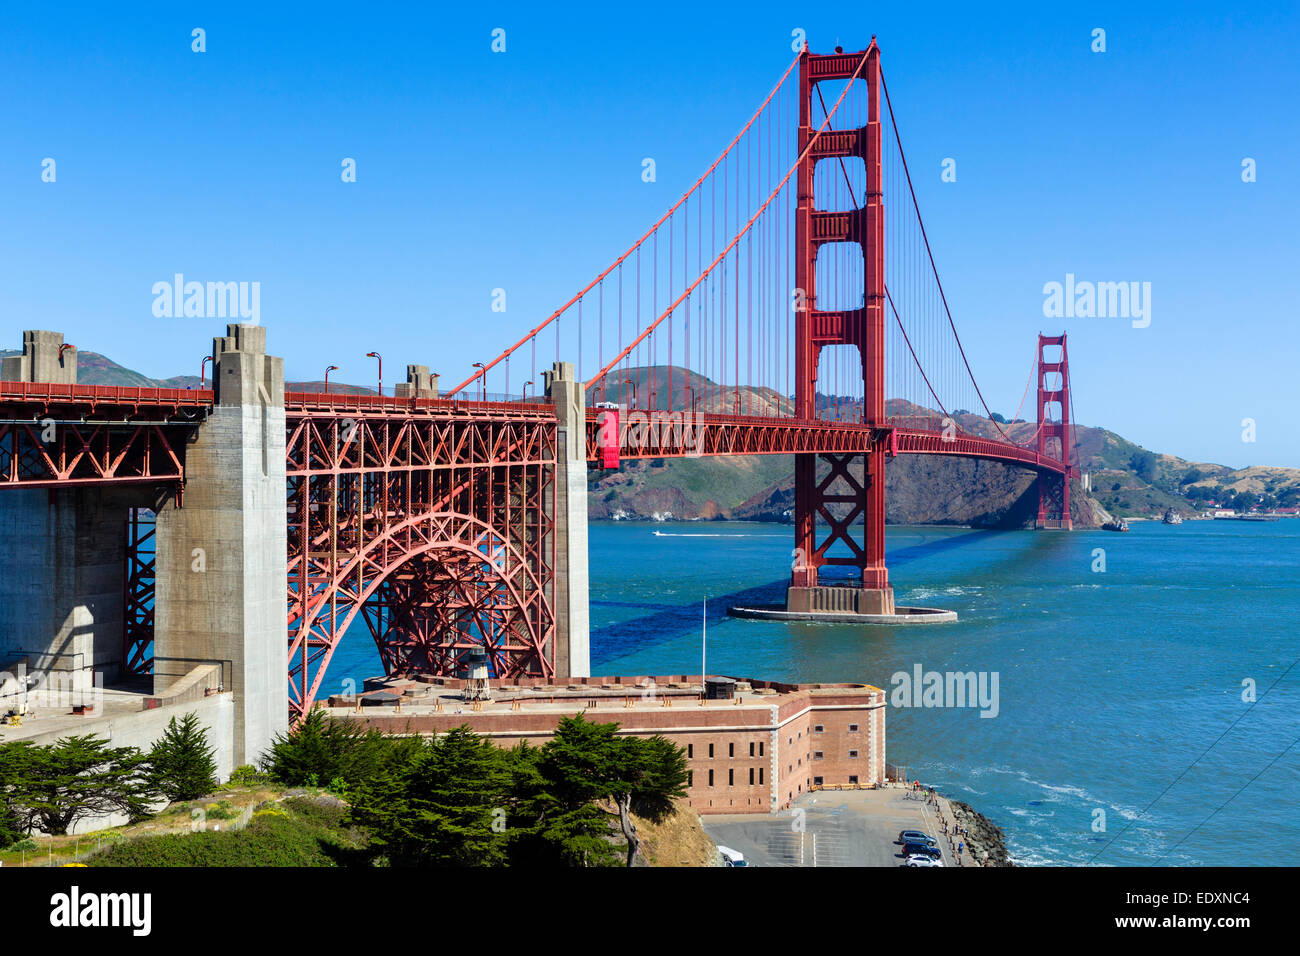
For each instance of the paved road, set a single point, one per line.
(829, 828)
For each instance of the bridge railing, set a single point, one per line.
(380, 404)
(120, 394)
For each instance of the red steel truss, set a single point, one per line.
(60, 435)
(89, 454)
(680, 435)
(138, 592)
(433, 520)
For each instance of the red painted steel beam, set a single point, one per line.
(664, 435)
(50, 453)
(433, 521)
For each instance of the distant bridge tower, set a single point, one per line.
(840, 500)
(1054, 426)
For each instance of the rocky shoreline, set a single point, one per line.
(985, 840)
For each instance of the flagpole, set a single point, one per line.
(704, 647)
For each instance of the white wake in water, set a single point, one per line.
(685, 534)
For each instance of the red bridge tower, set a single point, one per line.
(839, 499)
(1054, 503)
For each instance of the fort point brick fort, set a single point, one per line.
(751, 745)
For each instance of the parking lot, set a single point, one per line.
(829, 828)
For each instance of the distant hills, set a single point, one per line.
(1127, 480)
(96, 369)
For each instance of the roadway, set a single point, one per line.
(830, 828)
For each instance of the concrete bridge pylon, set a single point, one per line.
(572, 593)
(221, 554)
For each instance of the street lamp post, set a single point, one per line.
(376, 355)
(482, 381)
(632, 382)
(526, 384)
(203, 371)
(331, 368)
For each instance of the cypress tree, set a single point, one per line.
(181, 761)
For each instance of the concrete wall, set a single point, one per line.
(419, 383)
(142, 728)
(63, 575)
(63, 567)
(40, 360)
(221, 565)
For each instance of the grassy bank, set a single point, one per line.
(238, 826)
(308, 830)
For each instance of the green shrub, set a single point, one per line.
(224, 810)
(247, 776)
(274, 837)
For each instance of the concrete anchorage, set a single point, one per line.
(572, 611)
(419, 383)
(62, 570)
(45, 358)
(222, 556)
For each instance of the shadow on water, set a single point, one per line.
(665, 622)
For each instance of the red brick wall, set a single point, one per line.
(730, 730)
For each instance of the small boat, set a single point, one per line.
(1172, 517)
(1117, 524)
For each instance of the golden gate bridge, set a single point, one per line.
(788, 303)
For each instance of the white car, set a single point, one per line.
(732, 857)
(920, 859)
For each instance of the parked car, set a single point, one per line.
(916, 836)
(921, 849)
(921, 859)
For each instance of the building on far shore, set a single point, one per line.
(751, 746)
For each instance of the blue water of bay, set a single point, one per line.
(1124, 732)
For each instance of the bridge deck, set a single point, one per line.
(389, 405)
(98, 455)
(679, 435)
(17, 398)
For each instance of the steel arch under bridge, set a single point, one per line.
(431, 520)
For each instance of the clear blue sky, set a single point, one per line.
(522, 170)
